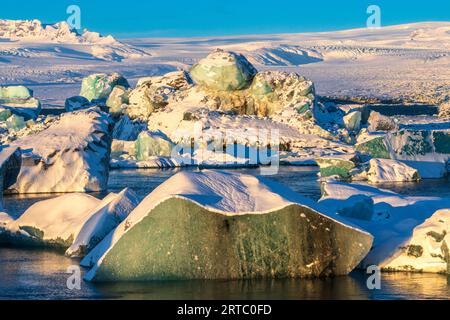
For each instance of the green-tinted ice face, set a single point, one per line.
(152, 145)
(179, 240)
(375, 148)
(117, 98)
(15, 92)
(15, 123)
(353, 121)
(223, 71)
(442, 142)
(331, 167)
(76, 103)
(99, 86)
(411, 143)
(4, 114)
(260, 88)
(35, 238)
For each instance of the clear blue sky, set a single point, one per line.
(132, 18)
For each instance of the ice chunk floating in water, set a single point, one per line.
(74, 221)
(222, 225)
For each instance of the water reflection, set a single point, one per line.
(413, 286)
(287, 289)
(40, 274)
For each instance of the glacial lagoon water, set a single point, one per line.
(41, 274)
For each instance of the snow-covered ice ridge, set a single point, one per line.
(23, 30)
(27, 38)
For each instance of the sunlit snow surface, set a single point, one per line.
(409, 62)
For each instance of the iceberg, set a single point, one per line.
(425, 148)
(383, 170)
(179, 80)
(20, 101)
(352, 120)
(5, 114)
(104, 218)
(427, 250)
(410, 233)
(117, 99)
(71, 155)
(273, 91)
(76, 103)
(50, 223)
(15, 123)
(153, 93)
(146, 99)
(10, 162)
(4, 218)
(150, 144)
(223, 225)
(337, 165)
(15, 92)
(350, 108)
(76, 222)
(99, 86)
(373, 145)
(379, 122)
(270, 93)
(223, 71)
(128, 130)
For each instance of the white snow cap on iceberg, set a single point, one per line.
(76, 220)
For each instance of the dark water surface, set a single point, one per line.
(41, 274)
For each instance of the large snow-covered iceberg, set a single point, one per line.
(223, 225)
(76, 222)
(72, 155)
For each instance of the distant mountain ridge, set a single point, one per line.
(58, 32)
